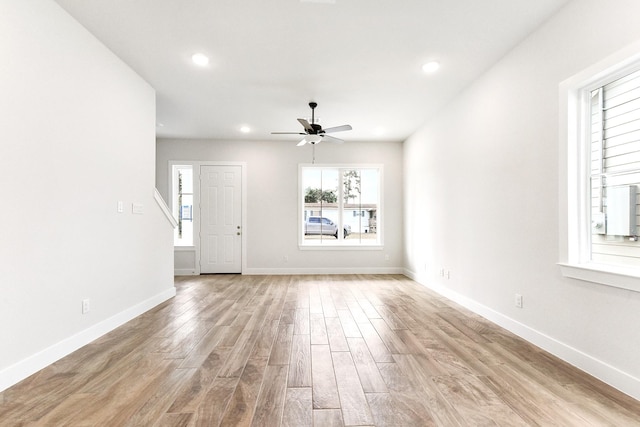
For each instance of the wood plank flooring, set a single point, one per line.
(356, 350)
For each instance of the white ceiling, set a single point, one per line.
(360, 60)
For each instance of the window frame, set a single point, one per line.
(176, 208)
(341, 244)
(574, 173)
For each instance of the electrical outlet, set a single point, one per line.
(285, 258)
(386, 257)
(518, 300)
(442, 272)
(448, 274)
(86, 306)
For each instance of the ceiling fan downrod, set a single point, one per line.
(313, 106)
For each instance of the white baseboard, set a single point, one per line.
(32, 364)
(594, 367)
(328, 270)
(185, 272)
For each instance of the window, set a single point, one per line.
(615, 171)
(182, 179)
(600, 137)
(340, 205)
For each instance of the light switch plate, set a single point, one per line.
(137, 208)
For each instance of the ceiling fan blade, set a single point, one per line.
(306, 125)
(332, 139)
(338, 128)
(288, 133)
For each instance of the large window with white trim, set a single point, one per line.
(600, 136)
(614, 112)
(340, 205)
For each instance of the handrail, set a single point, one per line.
(164, 208)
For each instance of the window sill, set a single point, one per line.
(618, 277)
(340, 247)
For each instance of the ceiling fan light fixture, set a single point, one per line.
(431, 67)
(310, 139)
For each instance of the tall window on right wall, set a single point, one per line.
(599, 172)
(614, 111)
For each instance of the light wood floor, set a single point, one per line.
(312, 350)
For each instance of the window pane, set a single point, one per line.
(183, 205)
(320, 204)
(184, 231)
(360, 208)
(187, 179)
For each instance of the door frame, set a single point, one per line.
(195, 249)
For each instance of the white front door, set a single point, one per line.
(221, 219)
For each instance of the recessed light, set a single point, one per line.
(245, 129)
(200, 59)
(431, 66)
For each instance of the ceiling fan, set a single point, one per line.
(313, 132)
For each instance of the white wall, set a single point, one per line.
(78, 135)
(482, 198)
(272, 198)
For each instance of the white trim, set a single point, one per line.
(164, 208)
(611, 375)
(323, 270)
(32, 364)
(184, 272)
(603, 274)
(338, 247)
